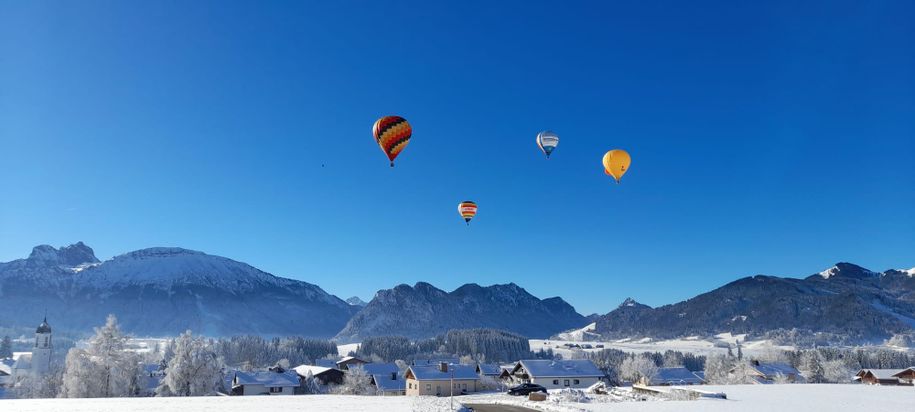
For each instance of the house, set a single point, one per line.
(553, 374)
(389, 384)
(323, 374)
(880, 376)
(906, 376)
(264, 383)
(492, 371)
(675, 376)
(441, 380)
(770, 372)
(347, 361)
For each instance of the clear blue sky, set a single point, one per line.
(766, 137)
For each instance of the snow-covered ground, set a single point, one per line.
(692, 344)
(750, 398)
(343, 350)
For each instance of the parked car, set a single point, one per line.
(600, 346)
(525, 389)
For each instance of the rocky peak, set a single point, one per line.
(72, 256)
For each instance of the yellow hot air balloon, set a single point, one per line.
(616, 163)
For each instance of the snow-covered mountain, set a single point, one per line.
(845, 302)
(355, 301)
(423, 310)
(163, 291)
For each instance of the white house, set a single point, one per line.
(555, 374)
(264, 383)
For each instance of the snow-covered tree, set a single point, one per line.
(104, 369)
(638, 367)
(194, 369)
(47, 385)
(836, 371)
(717, 369)
(6, 347)
(355, 382)
(812, 366)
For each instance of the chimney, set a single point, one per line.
(393, 376)
(443, 366)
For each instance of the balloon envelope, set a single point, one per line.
(468, 210)
(393, 134)
(616, 163)
(547, 141)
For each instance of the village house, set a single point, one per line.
(441, 380)
(264, 383)
(675, 376)
(389, 384)
(555, 374)
(323, 374)
(492, 371)
(885, 376)
(762, 372)
(348, 361)
(906, 376)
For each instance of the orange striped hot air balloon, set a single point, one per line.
(468, 210)
(393, 134)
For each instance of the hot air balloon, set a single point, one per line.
(616, 163)
(468, 210)
(547, 141)
(393, 134)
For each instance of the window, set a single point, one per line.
(555, 381)
(575, 381)
(464, 385)
(565, 382)
(428, 386)
(276, 389)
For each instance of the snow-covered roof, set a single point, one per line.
(386, 384)
(350, 359)
(266, 378)
(906, 370)
(881, 373)
(675, 376)
(436, 361)
(433, 372)
(560, 368)
(380, 368)
(489, 369)
(302, 370)
(23, 360)
(771, 370)
(327, 363)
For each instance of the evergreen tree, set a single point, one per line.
(6, 347)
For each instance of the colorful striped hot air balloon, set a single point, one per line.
(393, 134)
(547, 141)
(468, 210)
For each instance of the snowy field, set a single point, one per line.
(692, 344)
(750, 398)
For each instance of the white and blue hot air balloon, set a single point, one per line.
(547, 141)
